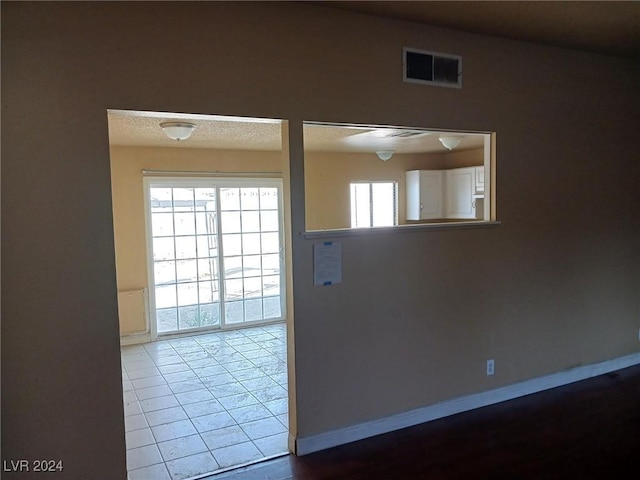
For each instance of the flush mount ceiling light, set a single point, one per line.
(450, 142)
(385, 155)
(178, 130)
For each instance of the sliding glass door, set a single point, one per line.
(216, 252)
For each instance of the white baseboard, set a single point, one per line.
(314, 443)
(135, 339)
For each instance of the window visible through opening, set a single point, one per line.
(434, 184)
(373, 204)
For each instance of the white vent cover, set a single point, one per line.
(405, 133)
(431, 68)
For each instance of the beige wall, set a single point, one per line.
(129, 225)
(556, 285)
(329, 174)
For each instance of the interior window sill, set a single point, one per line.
(352, 232)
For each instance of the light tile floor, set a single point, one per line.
(200, 404)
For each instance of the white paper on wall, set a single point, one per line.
(327, 263)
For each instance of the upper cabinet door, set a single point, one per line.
(424, 194)
(460, 187)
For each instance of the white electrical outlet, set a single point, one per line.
(490, 367)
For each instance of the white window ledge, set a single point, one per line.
(353, 232)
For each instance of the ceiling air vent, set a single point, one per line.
(431, 68)
(405, 133)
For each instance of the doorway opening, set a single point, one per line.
(202, 285)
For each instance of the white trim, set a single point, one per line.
(135, 339)
(151, 296)
(353, 232)
(314, 443)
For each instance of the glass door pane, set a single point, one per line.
(251, 241)
(185, 258)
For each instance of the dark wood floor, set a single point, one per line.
(586, 430)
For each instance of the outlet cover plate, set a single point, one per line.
(490, 367)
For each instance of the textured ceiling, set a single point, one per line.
(129, 128)
(318, 137)
(227, 133)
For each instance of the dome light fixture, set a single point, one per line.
(450, 142)
(385, 155)
(178, 130)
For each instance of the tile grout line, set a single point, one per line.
(186, 357)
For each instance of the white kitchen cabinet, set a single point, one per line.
(456, 193)
(479, 180)
(425, 194)
(460, 187)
